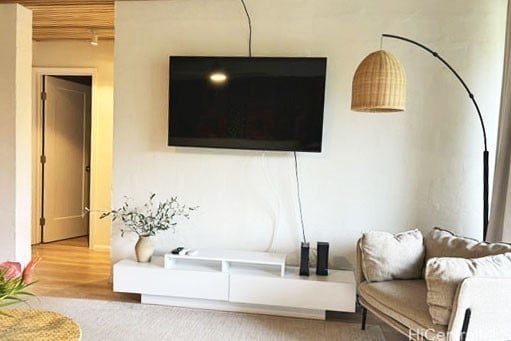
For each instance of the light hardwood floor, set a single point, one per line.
(70, 269)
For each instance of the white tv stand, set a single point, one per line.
(228, 257)
(254, 282)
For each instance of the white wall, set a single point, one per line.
(421, 168)
(81, 54)
(15, 125)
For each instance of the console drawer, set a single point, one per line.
(293, 292)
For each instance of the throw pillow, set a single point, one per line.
(387, 256)
(443, 243)
(443, 276)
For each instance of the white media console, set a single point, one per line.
(226, 258)
(255, 282)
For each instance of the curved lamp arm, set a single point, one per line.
(436, 55)
(471, 95)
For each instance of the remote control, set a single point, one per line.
(177, 250)
(184, 251)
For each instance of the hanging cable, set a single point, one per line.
(249, 29)
(272, 186)
(299, 198)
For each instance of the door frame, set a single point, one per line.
(37, 85)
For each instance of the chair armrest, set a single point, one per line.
(489, 301)
(359, 274)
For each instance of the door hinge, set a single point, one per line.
(42, 221)
(43, 158)
(43, 95)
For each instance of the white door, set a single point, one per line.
(66, 158)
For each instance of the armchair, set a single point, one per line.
(481, 306)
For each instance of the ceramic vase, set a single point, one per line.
(144, 249)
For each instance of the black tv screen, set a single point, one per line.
(263, 103)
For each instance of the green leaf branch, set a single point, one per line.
(152, 217)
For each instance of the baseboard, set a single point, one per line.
(101, 248)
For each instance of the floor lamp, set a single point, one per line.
(379, 85)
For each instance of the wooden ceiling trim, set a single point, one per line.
(51, 3)
(69, 33)
(100, 16)
(70, 19)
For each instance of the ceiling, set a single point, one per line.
(70, 19)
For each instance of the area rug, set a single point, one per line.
(112, 321)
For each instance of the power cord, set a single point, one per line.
(294, 153)
(299, 198)
(276, 220)
(249, 28)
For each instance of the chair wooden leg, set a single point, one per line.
(364, 317)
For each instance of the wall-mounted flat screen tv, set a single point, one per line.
(263, 103)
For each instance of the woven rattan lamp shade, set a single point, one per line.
(379, 84)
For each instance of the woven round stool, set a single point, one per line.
(30, 324)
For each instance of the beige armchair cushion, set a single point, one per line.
(443, 243)
(404, 301)
(443, 275)
(385, 256)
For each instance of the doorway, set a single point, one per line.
(63, 157)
